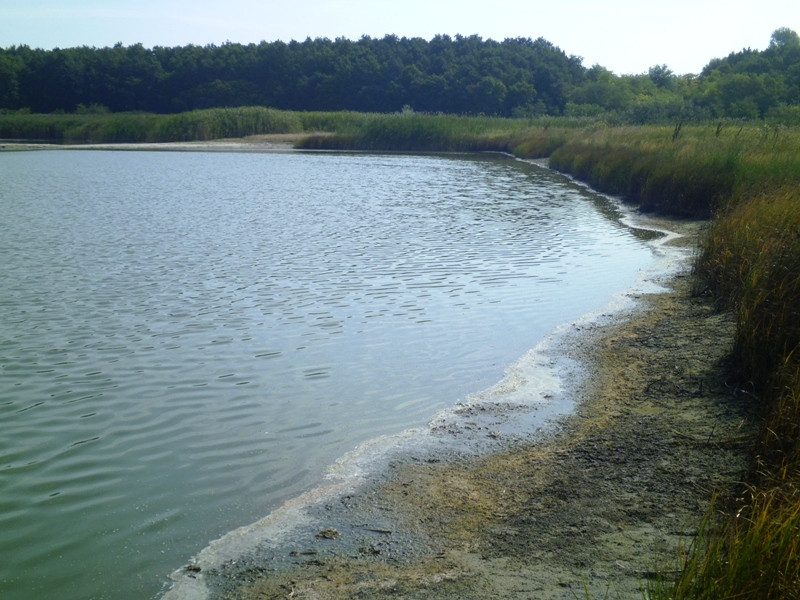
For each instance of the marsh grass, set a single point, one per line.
(343, 130)
(420, 132)
(693, 174)
(753, 554)
(206, 124)
(750, 259)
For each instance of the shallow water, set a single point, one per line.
(188, 339)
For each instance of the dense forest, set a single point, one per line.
(457, 75)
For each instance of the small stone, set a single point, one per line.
(328, 534)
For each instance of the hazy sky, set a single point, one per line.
(626, 36)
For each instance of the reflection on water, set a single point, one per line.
(188, 339)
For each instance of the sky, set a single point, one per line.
(625, 36)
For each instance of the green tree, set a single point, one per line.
(487, 96)
(603, 89)
(784, 38)
(661, 75)
(744, 95)
(10, 67)
(521, 99)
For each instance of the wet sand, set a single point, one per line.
(276, 142)
(613, 492)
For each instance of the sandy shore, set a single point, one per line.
(276, 142)
(610, 495)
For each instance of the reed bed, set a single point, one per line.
(419, 132)
(209, 124)
(406, 131)
(217, 123)
(751, 260)
(685, 170)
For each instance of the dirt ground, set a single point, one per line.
(615, 492)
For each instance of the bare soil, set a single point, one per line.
(615, 493)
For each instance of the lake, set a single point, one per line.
(188, 339)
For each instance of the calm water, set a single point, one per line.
(188, 339)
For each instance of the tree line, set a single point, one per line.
(457, 75)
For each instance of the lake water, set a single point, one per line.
(189, 339)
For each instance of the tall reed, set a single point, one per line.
(420, 132)
(750, 259)
(217, 123)
(207, 124)
(752, 555)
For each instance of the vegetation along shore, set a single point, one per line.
(710, 371)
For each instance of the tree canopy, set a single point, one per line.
(464, 75)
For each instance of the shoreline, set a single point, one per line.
(274, 142)
(591, 509)
(595, 505)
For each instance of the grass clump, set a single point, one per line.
(754, 555)
(750, 260)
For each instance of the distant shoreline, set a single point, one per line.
(277, 142)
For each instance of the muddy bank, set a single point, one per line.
(595, 505)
